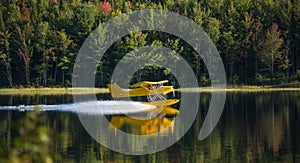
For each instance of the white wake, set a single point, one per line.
(91, 107)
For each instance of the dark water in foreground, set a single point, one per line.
(262, 127)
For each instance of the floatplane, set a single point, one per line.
(155, 91)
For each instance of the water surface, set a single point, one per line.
(261, 126)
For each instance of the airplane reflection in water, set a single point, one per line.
(141, 126)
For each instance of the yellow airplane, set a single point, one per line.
(153, 90)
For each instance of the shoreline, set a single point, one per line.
(208, 89)
(51, 91)
(82, 90)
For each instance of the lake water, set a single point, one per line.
(254, 126)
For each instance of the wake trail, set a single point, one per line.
(90, 107)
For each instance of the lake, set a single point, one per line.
(254, 126)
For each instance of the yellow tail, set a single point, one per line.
(116, 91)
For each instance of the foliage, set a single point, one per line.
(32, 142)
(40, 39)
(204, 81)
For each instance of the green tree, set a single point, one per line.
(295, 35)
(134, 41)
(84, 21)
(5, 55)
(42, 46)
(64, 57)
(5, 49)
(229, 40)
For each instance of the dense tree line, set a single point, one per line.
(258, 39)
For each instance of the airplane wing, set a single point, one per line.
(148, 83)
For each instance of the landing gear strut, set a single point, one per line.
(155, 97)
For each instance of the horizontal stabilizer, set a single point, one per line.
(116, 91)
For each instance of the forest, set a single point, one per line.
(258, 40)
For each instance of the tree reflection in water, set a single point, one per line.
(254, 127)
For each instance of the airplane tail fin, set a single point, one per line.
(116, 91)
